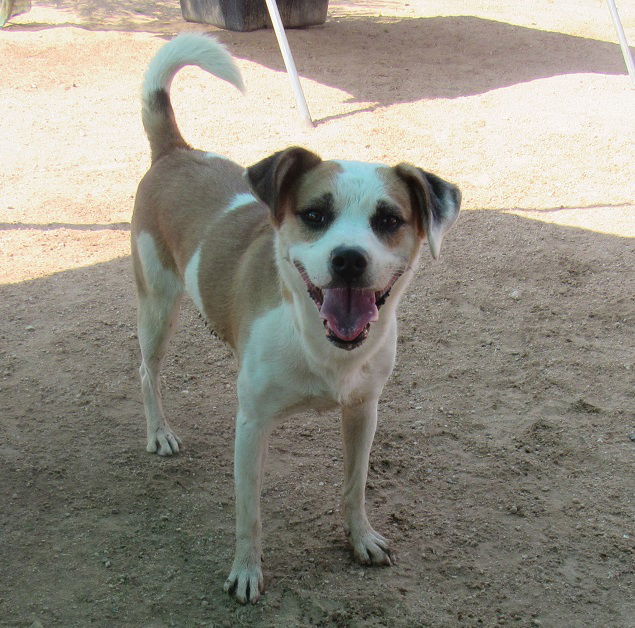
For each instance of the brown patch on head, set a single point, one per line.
(316, 183)
(312, 200)
(275, 178)
(400, 192)
(398, 205)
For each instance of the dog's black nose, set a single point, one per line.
(348, 263)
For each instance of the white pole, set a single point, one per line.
(626, 51)
(288, 60)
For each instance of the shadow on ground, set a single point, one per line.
(501, 469)
(461, 56)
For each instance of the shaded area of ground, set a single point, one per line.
(501, 470)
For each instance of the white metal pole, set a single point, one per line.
(288, 60)
(626, 51)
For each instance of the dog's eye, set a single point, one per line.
(386, 223)
(315, 218)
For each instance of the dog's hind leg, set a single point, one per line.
(159, 291)
(358, 430)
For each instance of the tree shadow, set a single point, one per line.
(447, 57)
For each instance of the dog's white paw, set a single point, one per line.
(245, 583)
(371, 548)
(163, 442)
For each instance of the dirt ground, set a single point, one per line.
(502, 469)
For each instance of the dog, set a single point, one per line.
(298, 263)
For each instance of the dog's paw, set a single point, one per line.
(163, 442)
(371, 548)
(245, 583)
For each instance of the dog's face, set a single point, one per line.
(349, 230)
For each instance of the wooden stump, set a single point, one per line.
(249, 15)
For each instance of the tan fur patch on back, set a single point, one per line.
(182, 204)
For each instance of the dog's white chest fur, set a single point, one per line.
(279, 357)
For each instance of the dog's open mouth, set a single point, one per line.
(347, 312)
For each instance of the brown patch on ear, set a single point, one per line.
(419, 192)
(399, 192)
(274, 179)
(436, 201)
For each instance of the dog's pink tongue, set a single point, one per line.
(348, 311)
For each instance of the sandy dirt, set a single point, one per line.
(502, 469)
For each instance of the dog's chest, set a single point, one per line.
(340, 384)
(276, 358)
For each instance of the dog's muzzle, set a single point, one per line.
(347, 312)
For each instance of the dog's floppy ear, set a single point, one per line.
(437, 201)
(273, 179)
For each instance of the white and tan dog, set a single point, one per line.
(297, 263)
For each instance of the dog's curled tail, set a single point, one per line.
(157, 113)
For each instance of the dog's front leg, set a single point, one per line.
(358, 429)
(245, 581)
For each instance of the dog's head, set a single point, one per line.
(349, 230)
